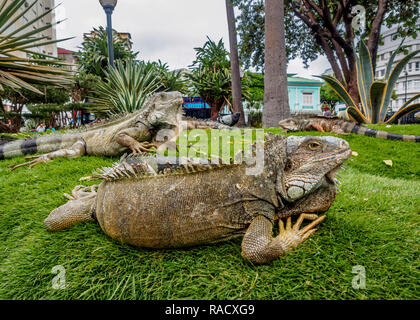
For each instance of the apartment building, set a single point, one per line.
(37, 10)
(408, 83)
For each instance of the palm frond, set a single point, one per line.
(19, 72)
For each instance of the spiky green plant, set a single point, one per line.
(126, 88)
(17, 72)
(170, 80)
(375, 95)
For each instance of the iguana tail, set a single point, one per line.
(350, 127)
(40, 144)
(193, 123)
(80, 208)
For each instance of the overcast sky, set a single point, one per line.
(168, 30)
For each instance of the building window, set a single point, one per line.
(409, 84)
(416, 84)
(417, 66)
(382, 72)
(409, 67)
(307, 98)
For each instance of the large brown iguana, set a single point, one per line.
(339, 126)
(200, 204)
(136, 131)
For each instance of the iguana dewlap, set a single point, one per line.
(198, 205)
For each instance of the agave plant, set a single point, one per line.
(126, 88)
(375, 95)
(17, 72)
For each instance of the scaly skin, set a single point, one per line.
(339, 126)
(200, 204)
(136, 132)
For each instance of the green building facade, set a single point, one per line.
(304, 94)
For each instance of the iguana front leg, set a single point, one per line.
(130, 138)
(316, 127)
(76, 150)
(260, 247)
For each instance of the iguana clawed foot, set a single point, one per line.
(37, 159)
(290, 237)
(140, 147)
(80, 192)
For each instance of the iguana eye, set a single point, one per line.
(314, 145)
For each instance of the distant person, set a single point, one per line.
(327, 112)
(41, 128)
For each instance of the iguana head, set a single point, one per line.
(166, 110)
(309, 163)
(292, 124)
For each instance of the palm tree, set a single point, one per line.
(276, 100)
(234, 63)
(93, 56)
(17, 72)
(211, 77)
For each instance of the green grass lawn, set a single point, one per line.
(374, 222)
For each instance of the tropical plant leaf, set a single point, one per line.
(374, 99)
(356, 115)
(391, 60)
(365, 78)
(339, 90)
(18, 72)
(403, 112)
(390, 84)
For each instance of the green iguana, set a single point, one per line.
(199, 204)
(136, 131)
(339, 126)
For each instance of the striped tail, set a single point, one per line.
(40, 144)
(365, 131)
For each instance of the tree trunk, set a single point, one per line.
(234, 64)
(215, 107)
(276, 100)
(4, 128)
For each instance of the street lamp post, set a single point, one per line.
(109, 6)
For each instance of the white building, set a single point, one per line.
(410, 76)
(37, 10)
(408, 83)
